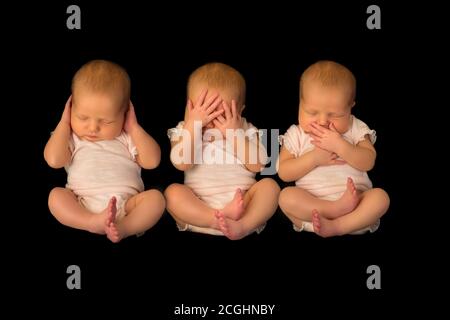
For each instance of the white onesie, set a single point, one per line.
(102, 169)
(329, 182)
(216, 183)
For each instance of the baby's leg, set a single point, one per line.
(143, 211)
(260, 202)
(374, 204)
(64, 206)
(299, 203)
(185, 206)
(289, 205)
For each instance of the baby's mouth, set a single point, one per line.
(91, 137)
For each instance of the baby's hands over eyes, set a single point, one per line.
(203, 110)
(130, 122)
(231, 120)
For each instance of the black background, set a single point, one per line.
(160, 45)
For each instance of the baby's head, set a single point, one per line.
(100, 99)
(217, 78)
(327, 95)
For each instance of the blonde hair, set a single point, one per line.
(219, 76)
(329, 73)
(104, 77)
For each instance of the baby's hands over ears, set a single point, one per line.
(326, 138)
(203, 110)
(325, 158)
(65, 118)
(232, 119)
(130, 122)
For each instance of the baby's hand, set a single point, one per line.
(203, 111)
(65, 118)
(130, 122)
(325, 158)
(328, 139)
(232, 119)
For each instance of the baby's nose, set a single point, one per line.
(323, 121)
(93, 127)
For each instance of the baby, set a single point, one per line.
(327, 155)
(102, 147)
(220, 153)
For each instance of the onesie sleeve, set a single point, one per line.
(177, 132)
(255, 136)
(291, 140)
(126, 139)
(360, 130)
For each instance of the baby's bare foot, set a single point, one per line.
(99, 221)
(111, 229)
(113, 233)
(347, 203)
(111, 211)
(235, 208)
(322, 226)
(231, 229)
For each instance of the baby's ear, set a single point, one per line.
(352, 104)
(243, 107)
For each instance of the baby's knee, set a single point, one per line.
(270, 184)
(286, 199)
(173, 190)
(156, 197)
(54, 194)
(382, 196)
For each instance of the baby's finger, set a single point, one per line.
(221, 119)
(332, 127)
(210, 100)
(233, 109)
(227, 110)
(318, 126)
(69, 102)
(315, 131)
(214, 115)
(213, 106)
(340, 162)
(201, 98)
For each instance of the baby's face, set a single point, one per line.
(324, 105)
(226, 95)
(96, 116)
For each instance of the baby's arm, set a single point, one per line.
(57, 152)
(291, 168)
(251, 146)
(149, 152)
(361, 156)
(244, 146)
